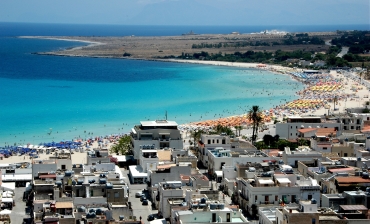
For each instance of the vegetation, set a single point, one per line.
(126, 54)
(274, 142)
(123, 146)
(299, 39)
(357, 41)
(255, 116)
(222, 129)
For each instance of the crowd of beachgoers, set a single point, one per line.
(66, 147)
(323, 90)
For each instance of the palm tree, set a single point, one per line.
(255, 116)
(196, 135)
(335, 100)
(238, 128)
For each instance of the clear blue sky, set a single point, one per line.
(187, 12)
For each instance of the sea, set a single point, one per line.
(47, 98)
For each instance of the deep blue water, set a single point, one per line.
(67, 96)
(21, 29)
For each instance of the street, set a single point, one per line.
(19, 211)
(138, 209)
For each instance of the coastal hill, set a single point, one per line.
(160, 47)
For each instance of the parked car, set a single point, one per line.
(145, 202)
(150, 217)
(143, 197)
(138, 194)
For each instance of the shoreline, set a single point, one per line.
(277, 69)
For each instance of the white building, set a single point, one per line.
(210, 142)
(290, 129)
(158, 134)
(276, 189)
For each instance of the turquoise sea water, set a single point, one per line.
(47, 98)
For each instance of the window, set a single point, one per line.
(325, 148)
(102, 190)
(313, 221)
(108, 195)
(217, 141)
(291, 134)
(116, 194)
(291, 127)
(255, 197)
(309, 197)
(213, 141)
(223, 141)
(209, 141)
(276, 197)
(345, 154)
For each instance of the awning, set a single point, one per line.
(8, 186)
(283, 180)
(7, 200)
(264, 181)
(65, 204)
(218, 173)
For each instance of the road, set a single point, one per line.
(343, 52)
(136, 205)
(19, 211)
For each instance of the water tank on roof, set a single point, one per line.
(91, 210)
(313, 201)
(221, 206)
(121, 217)
(99, 211)
(68, 173)
(109, 186)
(74, 166)
(368, 189)
(212, 206)
(81, 209)
(58, 183)
(358, 158)
(102, 175)
(102, 181)
(80, 182)
(91, 215)
(365, 175)
(202, 200)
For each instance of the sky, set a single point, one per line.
(187, 12)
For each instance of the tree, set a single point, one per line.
(238, 128)
(268, 140)
(196, 135)
(223, 129)
(123, 146)
(255, 116)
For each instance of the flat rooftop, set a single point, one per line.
(158, 123)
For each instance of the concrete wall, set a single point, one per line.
(174, 174)
(39, 168)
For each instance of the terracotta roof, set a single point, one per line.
(356, 179)
(44, 176)
(164, 155)
(326, 131)
(165, 166)
(340, 170)
(64, 204)
(366, 127)
(305, 130)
